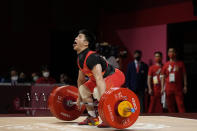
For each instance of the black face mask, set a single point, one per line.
(138, 58)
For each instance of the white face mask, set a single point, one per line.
(14, 78)
(35, 78)
(45, 74)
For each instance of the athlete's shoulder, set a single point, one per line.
(180, 62)
(93, 55)
(167, 63)
(152, 66)
(150, 69)
(91, 51)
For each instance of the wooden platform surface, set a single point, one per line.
(144, 123)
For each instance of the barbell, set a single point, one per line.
(71, 103)
(118, 107)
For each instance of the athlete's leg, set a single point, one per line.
(180, 101)
(85, 91)
(86, 96)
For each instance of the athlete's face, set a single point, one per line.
(158, 58)
(80, 42)
(171, 53)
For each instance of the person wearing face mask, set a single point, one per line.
(175, 79)
(64, 79)
(22, 78)
(13, 77)
(154, 84)
(136, 77)
(45, 79)
(34, 77)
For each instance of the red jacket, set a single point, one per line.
(43, 80)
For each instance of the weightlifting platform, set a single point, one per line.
(144, 123)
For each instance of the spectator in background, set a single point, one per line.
(122, 59)
(45, 79)
(34, 77)
(154, 84)
(22, 78)
(2, 79)
(136, 77)
(108, 52)
(112, 58)
(175, 80)
(13, 77)
(64, 79)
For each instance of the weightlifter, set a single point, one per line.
(101, 75)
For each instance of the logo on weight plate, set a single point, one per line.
(118, 96)
(71, 92)
(134, 104)
(65, 114)
(126, 121)
(110, 112)
(59, 99)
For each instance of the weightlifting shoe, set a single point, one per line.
(92, 121)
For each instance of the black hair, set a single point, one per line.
(158, 52)
(90, 37)
(173, 49)
(138, 52)
(13, 69)
(44, 68)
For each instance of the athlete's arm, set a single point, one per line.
(97, 72)
(185, 81)
(149, 80)
(81, 78)
(162, 83)
(162, 77)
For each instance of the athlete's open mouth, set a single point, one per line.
(74, 44)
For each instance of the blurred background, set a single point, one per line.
(41, 32)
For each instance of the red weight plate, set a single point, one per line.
(100, 106)
(50, 98)
(58, 103)
(108, 109)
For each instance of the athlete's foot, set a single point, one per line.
(103, 125)
(93, 121)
